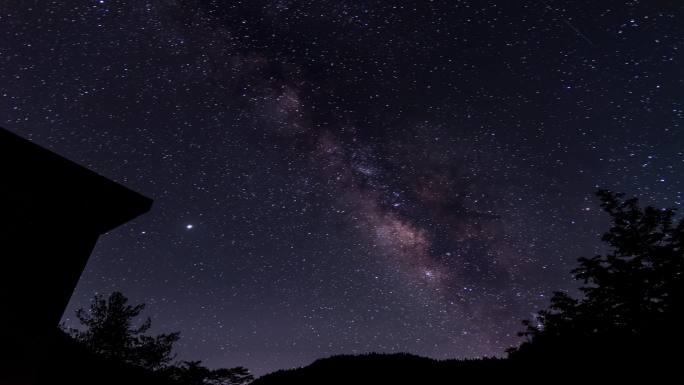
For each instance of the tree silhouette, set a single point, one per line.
(193, 373)
(110, 332)
(632, 296)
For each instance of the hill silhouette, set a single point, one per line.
(403, 368)
(375, 368)
(626, 326)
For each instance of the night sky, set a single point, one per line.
(350, 176)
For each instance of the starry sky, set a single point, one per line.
(350, 176)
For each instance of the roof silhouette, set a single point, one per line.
(52, 211)
(39, 178)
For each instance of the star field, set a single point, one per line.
(342, 177)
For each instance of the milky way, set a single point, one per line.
(342, 177)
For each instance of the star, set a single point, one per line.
(350, 172)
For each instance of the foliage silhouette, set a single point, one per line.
(110, 332)
(193, 373)
(631, 308)
(70, 362)
(626, 326)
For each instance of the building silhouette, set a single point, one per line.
(52, 212)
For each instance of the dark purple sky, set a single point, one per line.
(350, 176)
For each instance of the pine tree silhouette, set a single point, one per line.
(110, 332)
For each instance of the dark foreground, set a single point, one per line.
(410, 369)
(75, 365)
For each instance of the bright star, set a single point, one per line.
(189, 226)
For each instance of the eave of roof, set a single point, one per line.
(40, 181)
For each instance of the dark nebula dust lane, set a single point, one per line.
(342, 177)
